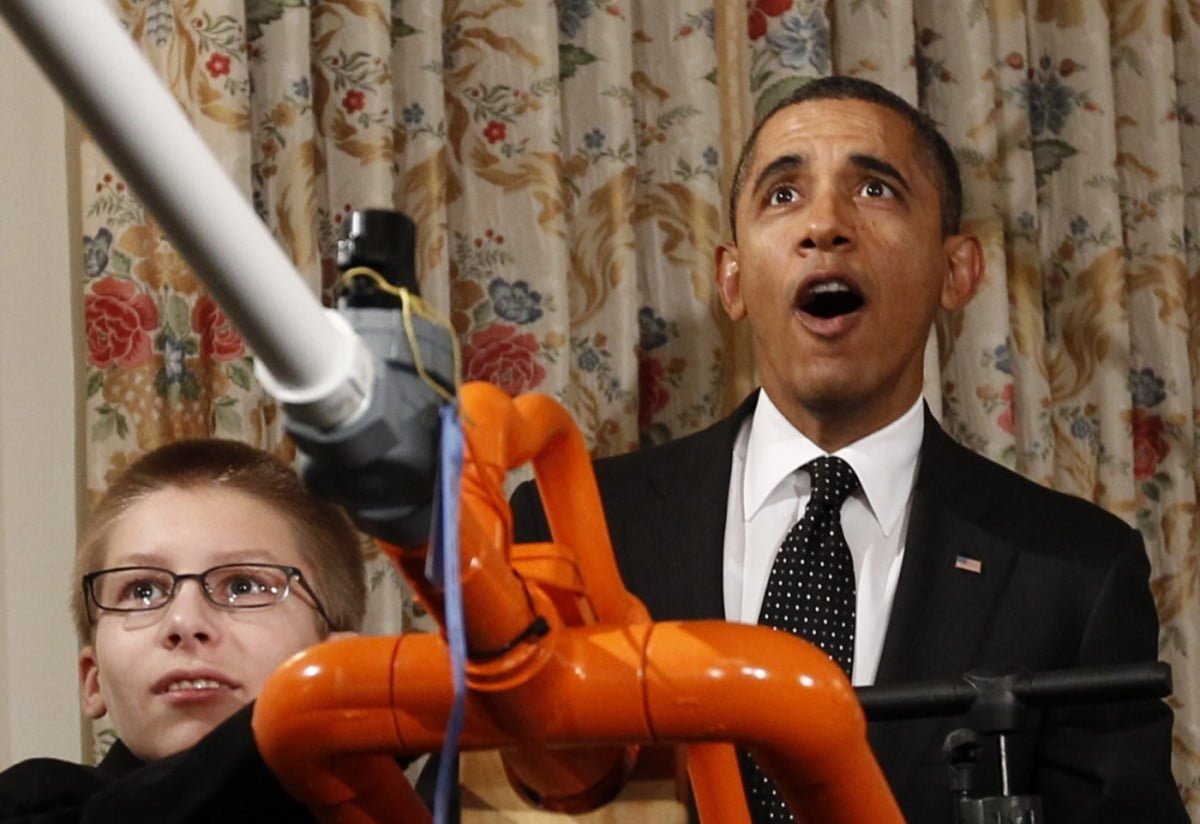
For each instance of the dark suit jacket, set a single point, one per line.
(222, 778)
(1063, 584)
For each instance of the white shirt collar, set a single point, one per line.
(885, 461)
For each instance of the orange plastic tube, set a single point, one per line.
(329, 721)
(716, 782)
(780, 696)
(567, 487)
(502, 434)
(569, 703)
(324, 724)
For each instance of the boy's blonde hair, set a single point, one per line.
(327, 539)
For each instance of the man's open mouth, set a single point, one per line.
(829, 299)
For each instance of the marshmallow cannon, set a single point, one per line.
(566, 674)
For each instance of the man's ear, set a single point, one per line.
(964, 271)
(90, 697)
(729, 282)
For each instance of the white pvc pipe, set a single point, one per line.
(315, 366)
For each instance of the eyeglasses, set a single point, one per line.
(229, 586)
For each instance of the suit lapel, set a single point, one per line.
(689, 541)
(943, 608)
(679, 555)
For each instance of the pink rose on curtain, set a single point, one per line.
(1149, 447)
(757, 12)
(118, 317)
(219, 339)
(494, 131)
(653, 395)
(499, 355)
(218, 64)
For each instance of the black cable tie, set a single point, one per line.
(536, 629)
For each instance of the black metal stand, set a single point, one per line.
(996, 705)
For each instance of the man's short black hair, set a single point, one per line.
(938, 155)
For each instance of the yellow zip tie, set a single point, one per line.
(410, 304)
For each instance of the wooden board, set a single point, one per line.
(654, 793)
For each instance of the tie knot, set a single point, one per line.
(832, 480)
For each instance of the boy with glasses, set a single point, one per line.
(204, 567)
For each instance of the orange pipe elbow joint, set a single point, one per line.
(324, 725)
(781, 697)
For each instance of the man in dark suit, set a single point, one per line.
(848, 202)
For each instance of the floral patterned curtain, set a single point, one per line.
(566, 164)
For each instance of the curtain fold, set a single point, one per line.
(566, 164)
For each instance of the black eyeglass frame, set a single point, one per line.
(293, 573)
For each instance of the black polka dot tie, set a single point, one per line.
(810, 593)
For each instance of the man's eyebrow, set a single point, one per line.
(874, 164)
(786, 164)
(778, 167)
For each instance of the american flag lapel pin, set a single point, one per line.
(967, 564)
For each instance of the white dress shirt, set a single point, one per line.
(768, 494)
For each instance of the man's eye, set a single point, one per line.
(781, 195)
(877, 188)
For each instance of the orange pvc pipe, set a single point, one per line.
(501, 434)
(779, 695)
(567, 486)
(569, 705)
(323, 723)
(323, 719)
(716, 782)
(672, 683)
